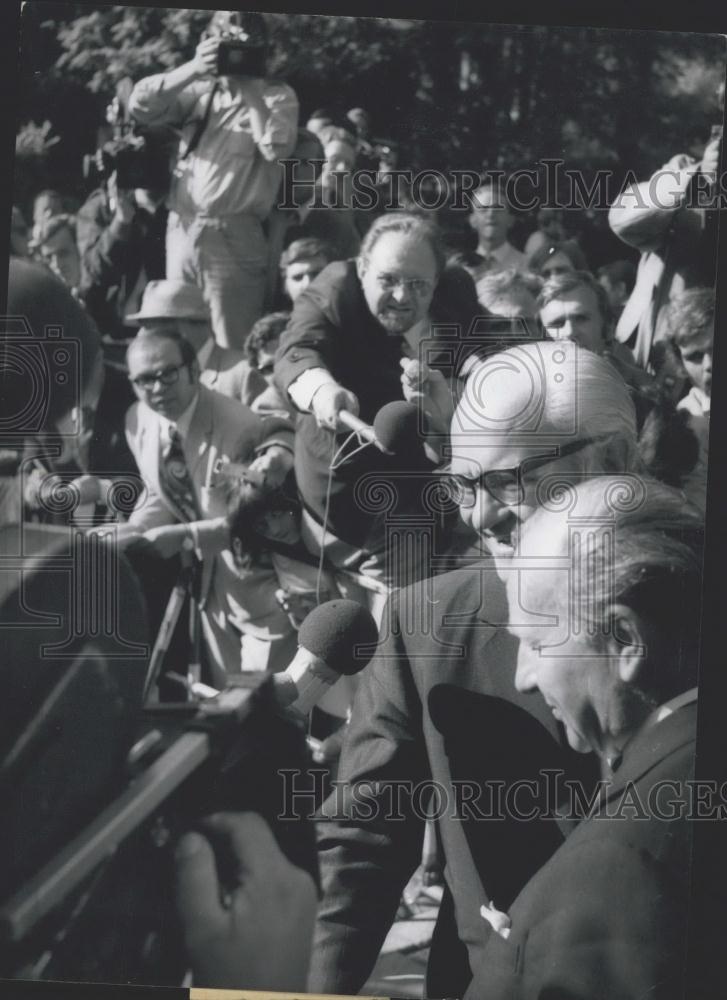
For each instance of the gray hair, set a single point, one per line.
(636, 542)
(408, 224)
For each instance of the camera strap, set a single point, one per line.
(201, 124)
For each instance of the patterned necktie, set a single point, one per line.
(175, 478)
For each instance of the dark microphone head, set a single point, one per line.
(334, 630)
(396, 426)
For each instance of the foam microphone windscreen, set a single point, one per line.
(396, 426)
(333, 632)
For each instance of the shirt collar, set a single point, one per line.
(701, 398)
(658, 715)
(414, 336)
(181, 425)
(500, 253)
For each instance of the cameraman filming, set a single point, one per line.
(236, 125)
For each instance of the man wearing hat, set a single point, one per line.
(180, 305)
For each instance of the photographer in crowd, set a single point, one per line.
(120, 234)
(236, 126)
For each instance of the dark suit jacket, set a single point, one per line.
(606, 917)
(117, 259)
(332, 327)
(437, 702)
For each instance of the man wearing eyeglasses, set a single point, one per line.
(183, 435)
(343, 349)
(438, 704)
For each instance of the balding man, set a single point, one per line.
(437, 702)
(182, 436)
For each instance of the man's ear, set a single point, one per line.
(627, 642)
(360, 267)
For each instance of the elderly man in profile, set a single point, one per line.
(437, 702)
(606, 607)
(349, 335)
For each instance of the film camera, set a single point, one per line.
(96, 784)
(243, 46)
(137, 162)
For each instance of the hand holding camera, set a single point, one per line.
(247, 912)
(205, 56)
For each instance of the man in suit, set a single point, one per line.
(607, 617)
(349, 334)
(437, 702)
(180, 305)
(183, 435)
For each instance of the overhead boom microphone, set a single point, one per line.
(337, 638)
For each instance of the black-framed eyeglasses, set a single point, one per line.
(505, 485)
(167, 376)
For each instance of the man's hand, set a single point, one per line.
(168, 539)
(328, 401)
(414, 378)
(247, 913)
(205, 56)
(275, 463)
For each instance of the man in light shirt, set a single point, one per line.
(236, 127)
(492, 220)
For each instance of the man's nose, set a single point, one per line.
(707, 363)
(401, 292)
(487, 510)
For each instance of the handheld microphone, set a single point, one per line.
(365, 431)
(329, 644)
(395, 429)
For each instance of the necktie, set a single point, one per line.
(175, 478)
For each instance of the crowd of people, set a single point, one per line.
(528, 538)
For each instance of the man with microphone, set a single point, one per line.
(341, 356)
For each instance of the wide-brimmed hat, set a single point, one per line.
(165, 299)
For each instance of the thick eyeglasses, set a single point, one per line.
(504, 485)
(167, 376)
(417, 286)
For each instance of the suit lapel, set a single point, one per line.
(200, 433)
(214, 365)
(651, 747)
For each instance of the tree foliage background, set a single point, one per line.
(454, 95)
